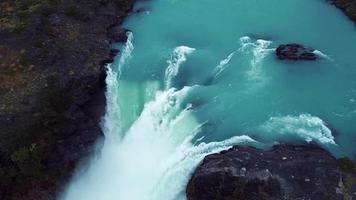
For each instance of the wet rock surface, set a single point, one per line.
(117, 34)
(295, 52)
(284, 172)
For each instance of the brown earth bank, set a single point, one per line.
(291, 172)
(52, 83)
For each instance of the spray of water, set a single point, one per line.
(260, 50)
(153, 160)
(178, 57)
(111, 127)
(222, 65)
(323, 55)
(302, 127)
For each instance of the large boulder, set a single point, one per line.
(284, 172)
(295, 52)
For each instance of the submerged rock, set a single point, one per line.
(284, 172)
(295, 52)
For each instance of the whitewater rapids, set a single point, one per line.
(188, 84)
(154, 158)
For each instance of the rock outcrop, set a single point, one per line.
(295, 52)
(284, 172)
(347, 6)
(52, 83)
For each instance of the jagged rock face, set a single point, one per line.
(295, 52)
(285, 172)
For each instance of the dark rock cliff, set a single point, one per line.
(52, 83)
(285, 172)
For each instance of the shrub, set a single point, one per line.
(347, 165)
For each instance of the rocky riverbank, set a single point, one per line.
(284, 172)
(52, 75)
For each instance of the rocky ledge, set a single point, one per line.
(52, 83)
(285, 172)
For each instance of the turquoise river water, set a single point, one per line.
(198, 76)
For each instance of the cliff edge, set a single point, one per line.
(52, 83)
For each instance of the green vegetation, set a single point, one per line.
(17, 15)
(33, 101)
(23, 148)
(347, 165)
(12, 66)
(77, 13)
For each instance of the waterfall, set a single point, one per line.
(232, 90)
(154, 159)
(178, 57)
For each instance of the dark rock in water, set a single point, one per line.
(110, 58)
(117, 34)
(140, 10)
(347, 6)
(107, 61)
(295, 52)
(114, 52)
(284, 172)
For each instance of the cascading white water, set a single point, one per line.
(260, 50)
(303, 127)
(222, 65)
(110, 126)
(154, 157)
(229, 85)
(178, 56)
(153, 160)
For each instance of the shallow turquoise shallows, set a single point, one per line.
(198, 76)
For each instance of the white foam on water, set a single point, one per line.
(222, 65)
(260, 50)
(126, 53)
(155, 158)
(178, 169)
(178, 57)
(305, 127)
(322, 55)
(111, 121)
